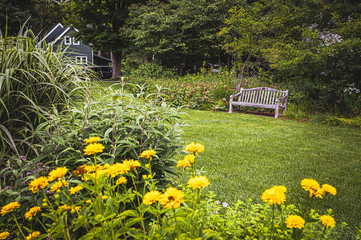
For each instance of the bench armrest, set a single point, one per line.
(283, 98)
(236, 95)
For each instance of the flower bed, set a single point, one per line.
(112, 201)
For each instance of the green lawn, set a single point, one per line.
(246, 154)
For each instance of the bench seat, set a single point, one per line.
(261, 97)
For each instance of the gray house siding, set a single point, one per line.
(61, 36)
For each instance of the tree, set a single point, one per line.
(39, 15)
(313, 46)
(101, 24)
(179, 33)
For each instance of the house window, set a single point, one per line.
(77, 42)
(81, 59)
(67, 40)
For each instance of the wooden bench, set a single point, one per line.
(261, 97)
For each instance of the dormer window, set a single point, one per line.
(71, 40)
(77, 42)
(67, 40)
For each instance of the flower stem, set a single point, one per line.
(17, 224)
(176, 222)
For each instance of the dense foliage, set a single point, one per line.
(95, 201)
(34, 80)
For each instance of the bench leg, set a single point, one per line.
(230, 106)
(276, 111)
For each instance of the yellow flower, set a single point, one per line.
(148, 154)
(131, 163)
(294, 221)
(118, 168)
(274, 195)
(310, 185)
(32, 212)
(93, 148)
(198, 182)
(121, 180)
(151, 197)
(57, 185)
(172, 198)
(33, 235)
(88, 201)
(194, 148)
(38, 183)
(183, 163)
(329, 189)
(65, 208)
(76, 189)
(105, 197)
(9, 208)
(4, 235)
(190, 158)
(319, 193)
(92, 140)
(57, 173)
(327, 221)
(75, 209)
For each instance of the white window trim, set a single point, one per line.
(67, 40)
(81, 59)
(76, 42)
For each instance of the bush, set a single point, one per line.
(95, 202)
(33, 80)
(128, 125)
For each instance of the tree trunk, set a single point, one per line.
(116, 63)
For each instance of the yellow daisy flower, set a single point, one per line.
(9, 208)
(294, 221)
(65, 208)
(329, 189)
(148, 154)
(151, 197)
(4, 235)
(328, 221)
(194, 148)
(121, 180)
(32, 212)
(274, 195)
(118, 169)
(190, 158)
(198, 182)
(57, 185)
(183, 163)
(93, 148)
(33, 235)
(38, 183)
(132, 163)
(92, 140)
(57, 173)
(171, 198)
(76, 189)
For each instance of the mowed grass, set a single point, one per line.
(246, 154)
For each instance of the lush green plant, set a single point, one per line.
(127, 124)
(33, 80)
(94, 202)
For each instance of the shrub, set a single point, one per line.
(127, 124)
(33, 79)
(95, 202)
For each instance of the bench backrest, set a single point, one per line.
(262, 95)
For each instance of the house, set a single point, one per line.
(61, 36)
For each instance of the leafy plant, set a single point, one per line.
(34, 79)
